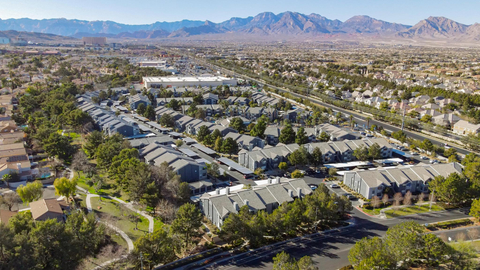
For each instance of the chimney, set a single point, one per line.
(235, 206)
(227, 190)
(290, 193)
(247, 202)
(300, 193)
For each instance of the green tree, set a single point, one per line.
(230, 146)
(218, 144)
(7, 178)
(31, 192)
(183, 192)
(299, 157)
(283, 261)
(364, 249)
(317, 157)
(427, 145)
(374, 151)
(361, 153)
(216, 134)
(259, 128)
(287, 134)
(155, 248)
(149, 112)
(452, 189)
(174, 105)
(301, 137)
(203, 131)
(324, 137)
(187, 223)
(65, 187)
(237, 124)
(213, 170)
(475, 209)
(297, 174)
(166, 120)
(141, 108)
(283, 166)
(178, 143)
(58, 146)
(93, 140)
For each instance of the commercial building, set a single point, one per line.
(214, 81)
(96, 41)
(415, 179)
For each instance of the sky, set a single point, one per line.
(149, 11)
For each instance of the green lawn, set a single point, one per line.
(110, 211)
(405, 211)
(474, 244)
(108, 189)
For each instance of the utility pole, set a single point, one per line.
(431, 199)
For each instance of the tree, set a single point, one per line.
(375, 202)
(287, 135)
(283, 261)
(155, 248)
(216, 134)
(141, 108)
(31, 192)
(7, 178)
(361, 153)
(385, 199)
(213, 170)
(364, 249)
(58, 146)
(178, 143)
(317, 157)
(10, 199)
(452, 189)
(203, 132)
(475, 209)
(167, 120)
(374, 151)
(230, 146)
(149, 112)
(218, 144)
(174, 105)
(427, 145)
(183, 192)
(200, 114)
(299, 157)
(187, 223)
(297, 174)
(237, 124)
(301, 137)
(407, 200)
(65, 187)
(397, 198)
(283, 166)
(259, 128)
(324, 137)
(93, 140)
(332, 171)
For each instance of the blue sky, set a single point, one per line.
(144, 12)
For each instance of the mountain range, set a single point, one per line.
(266, 24)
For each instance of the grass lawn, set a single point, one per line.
(475, 244)
(412, 210)
(110, 211)
(107, 190)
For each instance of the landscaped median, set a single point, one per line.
(451, 224)
(392, 212)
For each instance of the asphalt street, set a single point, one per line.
(330, 251)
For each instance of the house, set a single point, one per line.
(415, 179)
(267, 158)
(138, 99)
(335, 133)
(448, 119)
(463, 127)
(266, 196)
(48, 209)
(271, 135)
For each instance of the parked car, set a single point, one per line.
(424, 158)
(363, 133)
(369, 136)
(447, 146)
(349, 196)
(334, 186)
(313, 186)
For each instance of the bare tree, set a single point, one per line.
(472, 234)
(385, 199)
(444, 237)
(166, 210)
(421, 198)
(79, 161)
(432, 198)
(461, 237)
(407, 200)
(397, 198)
(10, 199)
(375, 202)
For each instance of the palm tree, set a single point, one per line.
(7, 178)
(368, 122)
(351, 120)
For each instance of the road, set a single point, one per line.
(331, 251)
(359, 117)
